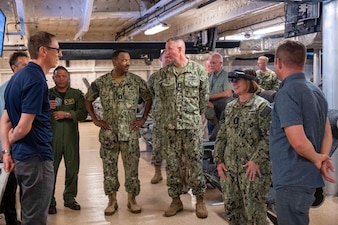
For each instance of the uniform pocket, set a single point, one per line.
(107, 138)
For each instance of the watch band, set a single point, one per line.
(5, 151)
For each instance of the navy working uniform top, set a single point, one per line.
(27, 92)
(298, 102)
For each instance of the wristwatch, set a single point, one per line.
(67, 115)
(5, 151)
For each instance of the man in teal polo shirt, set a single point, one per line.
(220, 89)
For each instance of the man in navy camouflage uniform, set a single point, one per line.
(157, 132)
(184, 88)
(267, 78)
(119, 91)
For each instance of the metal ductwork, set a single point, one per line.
(267, 45)
(159, 15)
(85, 20)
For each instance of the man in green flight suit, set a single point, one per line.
(67, 107)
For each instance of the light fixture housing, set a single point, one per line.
(268, 30)
(156, 29)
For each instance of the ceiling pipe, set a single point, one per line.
(20, 15)
(167, 11)
(265, 45)
(85, 20)
(156, 6)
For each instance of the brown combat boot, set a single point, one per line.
(112, 205)
(201, 209)
(132, 205)
(158, 176)
(175, 207)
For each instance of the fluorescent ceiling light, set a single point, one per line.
(255, 34)
(236, 37)
(156, 29)
(269, 30)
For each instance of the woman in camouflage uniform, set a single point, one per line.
(241, 152)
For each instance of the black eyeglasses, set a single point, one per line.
(57, 49)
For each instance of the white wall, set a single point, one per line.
(92, 69)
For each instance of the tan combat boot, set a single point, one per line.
(132, 205)
(175, 207)
(112, 205)
(201, 209)
(158, 176)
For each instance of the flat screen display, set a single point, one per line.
(2, 30)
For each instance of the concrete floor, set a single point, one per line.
(153, 198)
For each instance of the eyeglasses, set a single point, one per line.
(57, 49)
(234, 80)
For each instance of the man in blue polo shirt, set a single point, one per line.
(17, 61)
(300, 137)
(26, 132)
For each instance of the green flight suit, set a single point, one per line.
(66, 139)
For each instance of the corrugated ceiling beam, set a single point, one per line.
(222, 12)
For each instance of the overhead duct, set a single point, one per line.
(159, 15)
(252, 47)
(85, 20)
(20, 15)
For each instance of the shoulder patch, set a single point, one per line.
(266, 111)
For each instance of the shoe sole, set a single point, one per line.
(133, 211)
(111, 213)
(72, 207)
(169, 215)
(156, 181)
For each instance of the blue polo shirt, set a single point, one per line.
(298, 102)
(27, 92)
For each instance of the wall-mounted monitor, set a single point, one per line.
(2, 30)
(302, 18)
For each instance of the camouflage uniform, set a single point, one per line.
(157, 132)
(244, 136)
(268, 80)
(185, 96)
(119, 103)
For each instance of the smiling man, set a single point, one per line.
(119, 91)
